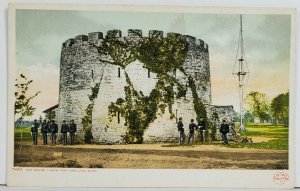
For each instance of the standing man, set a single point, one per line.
(34, 131)
(44, 130)
(192, 127)
(202, 128)
(64, 130)
(224, 130)
(180, 131)
(73, 129)
(53, 131)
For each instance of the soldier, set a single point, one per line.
(202, 128)
(34, 131)
(64, 130)
(73, 129)
(180, 131)
(44, 130)
(224, 130)
(53, 131)
(192, 127)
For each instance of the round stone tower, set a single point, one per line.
(90, 81)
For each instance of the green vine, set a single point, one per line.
(138, 110)
(122, 51)
(213, 124)
(160, 55)
(163, 55)
(87, 119)
(199, 107)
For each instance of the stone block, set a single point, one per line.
(135, 33)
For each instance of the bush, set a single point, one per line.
(96, 165)
(69, 164)
(88, 136)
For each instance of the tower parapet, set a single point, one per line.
(200, 42)
(93, 37)
(114, 33)
(156, 33)
(80, 38)
(170, 34)
(68, 42)
(189, 39)
(135, 33)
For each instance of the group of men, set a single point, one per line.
(51, 128)
(192, 127)
(224, 130)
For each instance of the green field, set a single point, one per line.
(277, 138)
(24, 132)
(278, 135)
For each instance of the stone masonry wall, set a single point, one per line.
(82, 66)
(76, 75)
(196, 65)
(223, 112)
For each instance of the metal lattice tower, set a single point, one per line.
(241, 72)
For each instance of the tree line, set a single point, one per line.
(274, 110)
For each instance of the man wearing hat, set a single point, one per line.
(64, 130)
(73, 129)
(44, 131)
(34, 131)
(224, 130)
(53, 131)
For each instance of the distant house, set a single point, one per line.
(51, 113)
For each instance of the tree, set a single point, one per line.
(248, 117)
(280, 108)
(237, 117)
(258, 105)
(23, 107)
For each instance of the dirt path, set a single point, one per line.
(151, 156)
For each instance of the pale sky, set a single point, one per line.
(40, 34)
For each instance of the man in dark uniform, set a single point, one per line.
(73, 129)
(34, 131)
(224, 130)
(53, 131)
(192, 127)
(202, 129)
(64, 130)
(180, 131)
(44, 130)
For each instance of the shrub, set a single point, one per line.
(95, 165)
(69, 164)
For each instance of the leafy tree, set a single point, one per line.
(248, 117)
(236, 117)
(258, 105)
(23, 107)
(280, 108)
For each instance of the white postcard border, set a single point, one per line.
(142, 177)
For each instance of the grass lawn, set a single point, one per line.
(25, 131)
(278, 135)
(278, 138)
